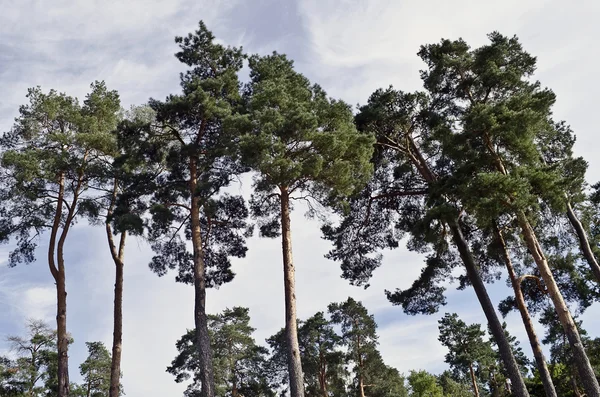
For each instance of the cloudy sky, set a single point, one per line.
(350, 47)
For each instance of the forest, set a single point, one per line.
(473, 173)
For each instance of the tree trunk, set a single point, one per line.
(322, 373)
(531, 334)
(361, 380)
(118, 259)
(461, 244)
(584, 242)
(291, 328)
(201, 321)
(473, 380)
(115, 367)
(63, 337)
(584, 368)
(506, 354)
(586, 373)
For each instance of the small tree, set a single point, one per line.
(322, 361)
(96, 370)
(424, 384)
(467, 350)
(36, 353)
(359, 335)
(238, 363)
(303, 146)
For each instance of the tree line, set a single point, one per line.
(473, 171)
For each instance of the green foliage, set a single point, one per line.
(238, 362)
(453, 388)
(96, 370)
(35, 365)
(298, 140)
(322, 361)
(196, 158)
(423, 384)
(54, 137)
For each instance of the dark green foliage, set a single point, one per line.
(238, 362)
(10, 384)
(96, 370)
(54, 135)
(298, 140)
(224, 229)
(399, 201)
(188, 137)
(34, 369)
(466, 347)
(323, 364)
(453, 388)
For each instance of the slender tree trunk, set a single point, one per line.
(58, 272)
(584, 368)
(584, 242)
(531, 334)
(473, 380)
(63, 337)
(586, 373)
(118, 259)
(361, 380)
(115, 366)
(506, 354)
(322, 373)
(117, 347)
(291, 327)
(200, 318)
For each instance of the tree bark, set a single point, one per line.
(474, 381)
(289, 282)
(361, 380)
(118, 256)
(584, 368)
(322, 373)
(584, 242)
(506, 354)
(586, 373)
(531, 334)
(200, 318)
(63, 338)
(58, 272)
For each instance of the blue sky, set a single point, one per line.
(351, 48)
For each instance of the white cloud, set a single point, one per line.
(351, 47)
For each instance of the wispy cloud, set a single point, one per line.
(350, 47)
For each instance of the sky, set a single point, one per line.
(349, 47)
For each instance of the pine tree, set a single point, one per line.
(48, 159)
(96, 371)
(424, 384)
(491, 116)
(406, 197)
(468, 352)
(303, 146)
(35, 355)
(238, 364)
(322, 361)
(359, 335)
(197, 158)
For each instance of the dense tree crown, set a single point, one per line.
(474, 172)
